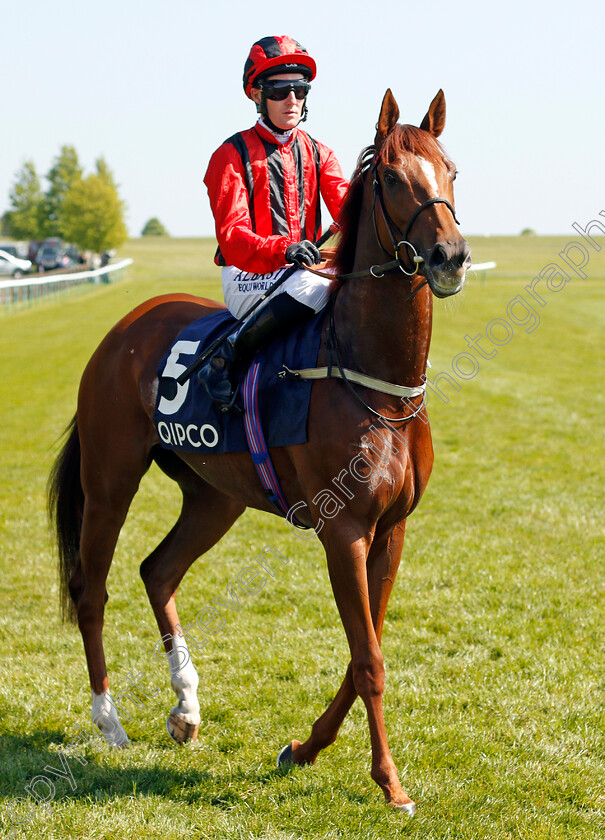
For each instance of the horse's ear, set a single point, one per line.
(435, 116)
(389, 114)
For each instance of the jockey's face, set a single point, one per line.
(287, 113)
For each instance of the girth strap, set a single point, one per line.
(259, 450)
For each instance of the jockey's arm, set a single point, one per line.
(238, 243)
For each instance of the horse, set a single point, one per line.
(380, 325)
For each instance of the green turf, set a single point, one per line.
(494, 635)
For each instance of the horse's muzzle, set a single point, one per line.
(446, 266)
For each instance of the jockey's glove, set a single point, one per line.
(303, 252)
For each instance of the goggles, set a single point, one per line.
(279, 89)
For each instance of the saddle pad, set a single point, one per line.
(188, 421)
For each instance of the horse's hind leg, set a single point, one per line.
(205, 516)
(114, 460)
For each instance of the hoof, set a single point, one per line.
(180, 730)
(286, 755)
(116, 738)
(409, 808)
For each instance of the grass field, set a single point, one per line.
(493, 640)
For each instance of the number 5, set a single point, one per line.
(173, 369)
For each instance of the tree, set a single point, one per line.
(105, 173)
(92, 215)
(25, 218)
(154, 228)
(92, 218)
(65, 172)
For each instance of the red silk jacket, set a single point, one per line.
(264, 195)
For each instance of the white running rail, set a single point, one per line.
(17, 294)
(481, 268)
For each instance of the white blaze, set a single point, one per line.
(429, 172)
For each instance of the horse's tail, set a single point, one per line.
(65, 510)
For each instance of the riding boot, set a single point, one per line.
(221, 372)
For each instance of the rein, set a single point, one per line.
(333, 346)
(337, 371)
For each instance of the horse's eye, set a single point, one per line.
(390, 179)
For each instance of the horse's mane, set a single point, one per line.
(404, 139)
(350, 211)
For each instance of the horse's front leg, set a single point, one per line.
(382, 565)
(356, 572)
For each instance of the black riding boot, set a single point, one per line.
(220, 373)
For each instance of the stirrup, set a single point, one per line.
(226, 408)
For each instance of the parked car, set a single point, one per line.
(17, 249)
(50, 257)
(11, 266)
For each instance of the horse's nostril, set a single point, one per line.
(449, 257)
(438, 257)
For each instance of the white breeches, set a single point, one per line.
(242, 289)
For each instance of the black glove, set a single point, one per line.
(303, 252)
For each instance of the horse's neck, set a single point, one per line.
(380, 332)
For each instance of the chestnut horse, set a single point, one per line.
(380, 323)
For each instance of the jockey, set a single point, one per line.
(265, 187)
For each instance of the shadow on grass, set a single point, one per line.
(22, 758)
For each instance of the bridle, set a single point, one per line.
(398, 238)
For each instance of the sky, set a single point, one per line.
(155, 87)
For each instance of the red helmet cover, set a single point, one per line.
(273, 52)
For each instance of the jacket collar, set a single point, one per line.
(266, 134)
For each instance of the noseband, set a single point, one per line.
(398, 238)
